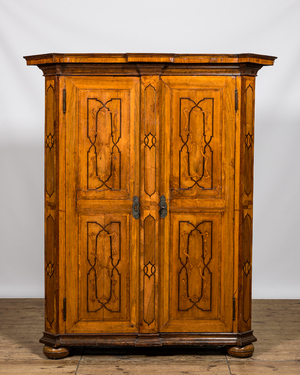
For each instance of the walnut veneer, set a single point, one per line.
(148, 199)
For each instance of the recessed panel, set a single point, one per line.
(195, 255)
(196, 144)
(103, 268)
(104, 143)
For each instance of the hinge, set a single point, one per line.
(64, 100)
(233, 308)
(236, 99)
(65, 310)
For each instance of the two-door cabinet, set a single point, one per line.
(148, 199)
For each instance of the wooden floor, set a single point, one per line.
(276, 324)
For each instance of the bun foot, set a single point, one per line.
(240, 351)
(55, 353)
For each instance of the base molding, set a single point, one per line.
(147, 340)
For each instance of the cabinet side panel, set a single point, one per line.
(51, 241)
(246, 201)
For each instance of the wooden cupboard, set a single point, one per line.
(148, 199)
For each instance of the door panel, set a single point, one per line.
(194, 265)
(195, 145)
(104, 142)
(104, 262)
(198, 272)
(102, 178)
(195, 278)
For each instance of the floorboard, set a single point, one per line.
(276, 324)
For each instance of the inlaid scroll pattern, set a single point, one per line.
(248, 174)
(195, 276)
(149, 270)
(149, 139)
(103, 258)
(247, 203)
(50, 142)
(50, 204)
(247, 248)
(104, 126)
(196, 131)
(49, 272)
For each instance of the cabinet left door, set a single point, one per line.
(102, 177)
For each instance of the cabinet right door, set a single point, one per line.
(198, 135)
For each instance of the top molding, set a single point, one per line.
(169, 58)
(138, 64)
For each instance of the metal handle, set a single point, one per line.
(136, 207)
(163, 207)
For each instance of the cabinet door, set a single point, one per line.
(102, 177)
(198, 128)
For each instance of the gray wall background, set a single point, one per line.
(215, 26)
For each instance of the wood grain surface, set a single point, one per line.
(148, 199)
(148, 58)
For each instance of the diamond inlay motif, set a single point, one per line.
(247, 268)
(49, 141)
(249, 140)
(50, 269)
